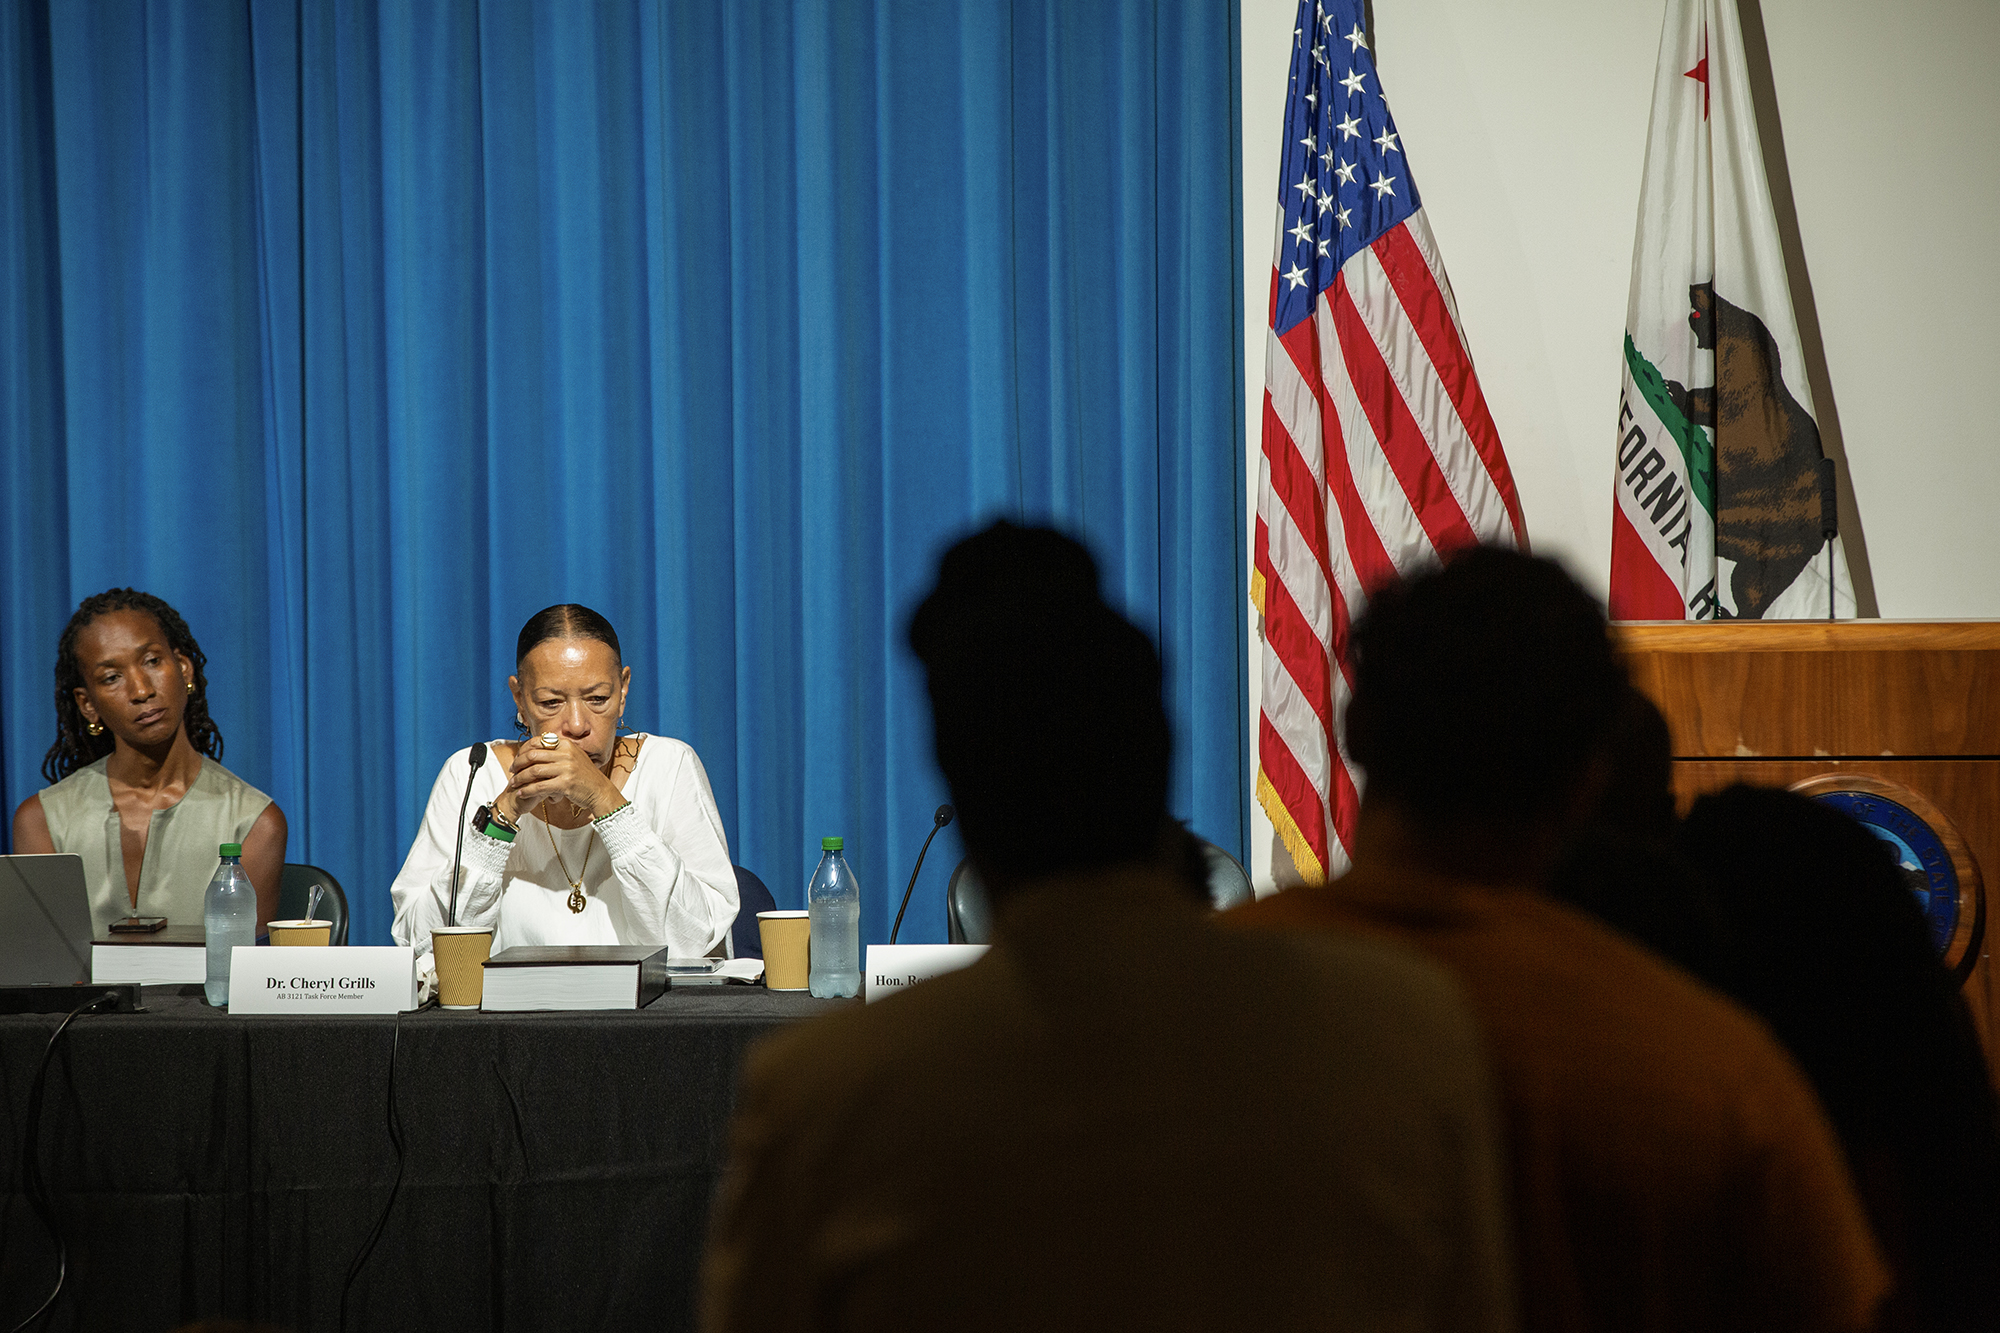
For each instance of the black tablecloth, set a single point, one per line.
(557, 1168)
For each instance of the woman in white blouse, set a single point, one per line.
(581, 836)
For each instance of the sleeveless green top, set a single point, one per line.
(180, 856)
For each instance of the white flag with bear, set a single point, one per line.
(1718, 482)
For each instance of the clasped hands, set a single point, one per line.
(543, 772)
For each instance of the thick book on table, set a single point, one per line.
(171, 956)
(574, 976)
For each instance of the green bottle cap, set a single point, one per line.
(829, 844)
(232, 849)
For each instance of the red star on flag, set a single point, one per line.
(1700, 72)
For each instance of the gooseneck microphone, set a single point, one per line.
(1829, 523)
(945, 814)
(478, 759)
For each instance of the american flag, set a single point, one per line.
(1379, 454)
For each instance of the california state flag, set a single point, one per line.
(1718, 483)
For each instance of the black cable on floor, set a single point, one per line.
(32, 1183)
(395, 1142)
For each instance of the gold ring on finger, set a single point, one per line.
(549, 740)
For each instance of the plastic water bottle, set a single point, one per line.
(229, 918)
(833, 900)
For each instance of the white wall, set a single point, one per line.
(1526, 128)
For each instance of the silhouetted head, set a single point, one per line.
(1620, 865)
(1840, 940)
(1045, 706)
(1844, 972)
(1482, 692)
(1636, 803)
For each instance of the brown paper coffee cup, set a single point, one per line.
(296, 933)
(461, 953)
(787, 960)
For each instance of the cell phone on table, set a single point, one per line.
(138, 925)
(693, 967)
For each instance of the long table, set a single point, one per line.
(556, 1168)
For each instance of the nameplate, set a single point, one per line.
(892, 968)
(323, 979)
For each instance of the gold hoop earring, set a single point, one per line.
(94, 728)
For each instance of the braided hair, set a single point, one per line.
(75, 747)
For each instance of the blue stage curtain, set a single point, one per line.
(360, 332)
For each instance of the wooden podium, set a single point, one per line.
(1890, 706)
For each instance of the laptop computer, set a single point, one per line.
(44, 920)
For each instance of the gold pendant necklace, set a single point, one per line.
(577, 902)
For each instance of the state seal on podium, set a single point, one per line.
(1935, 862)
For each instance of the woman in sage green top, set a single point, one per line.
(133, 794)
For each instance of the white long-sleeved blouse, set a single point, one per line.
(655, 872)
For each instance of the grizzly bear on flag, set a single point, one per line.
(1767, 452)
